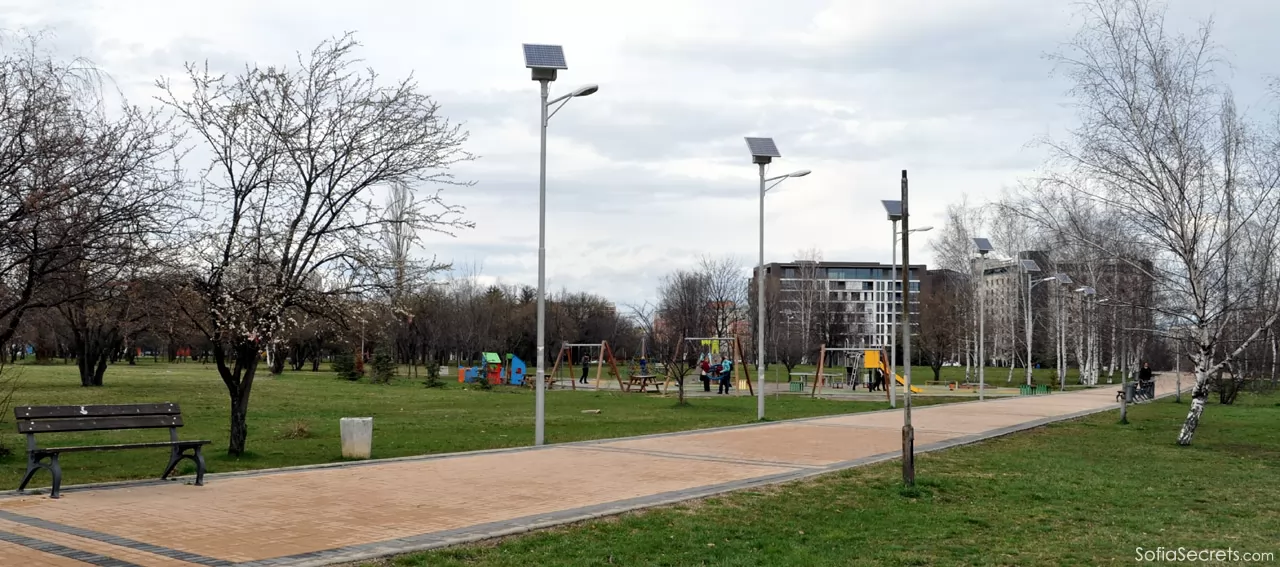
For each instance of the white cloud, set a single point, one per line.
(651, 172)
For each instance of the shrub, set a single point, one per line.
(297, 429)
(384, 367)
(433, 375)
(345, 365)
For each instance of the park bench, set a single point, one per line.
(69, 419)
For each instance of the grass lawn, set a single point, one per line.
(1085, 492)
(293, 419)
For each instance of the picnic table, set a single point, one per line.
(834, 379)
(642, 381)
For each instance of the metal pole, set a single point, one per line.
(1177, 357)
(982, 328)
(539, 413)
(760, 310)
(908, 432)
(1029, 286)
(893, 323)
(1062, 345)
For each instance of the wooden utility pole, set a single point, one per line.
(908, 432)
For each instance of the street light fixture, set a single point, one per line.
(763, 150)
(984, 247)
(1086, 371)
(1031, 267)
(1063, 279)
(893, 209)
(544, 61)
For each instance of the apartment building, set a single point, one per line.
(851, 304)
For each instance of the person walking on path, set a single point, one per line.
(586, 366)
(726, 366)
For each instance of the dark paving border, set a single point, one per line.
(63, 551)
(114, 540)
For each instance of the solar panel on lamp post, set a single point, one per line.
(893, 209)
(544, 61)
(984, 247)
(763, 150)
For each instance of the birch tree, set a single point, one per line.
(1161, 144)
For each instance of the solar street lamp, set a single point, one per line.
(894, 210)
(763, 150)
(984, 247)
(544, 61)
(1063, 279)
(1031, 267)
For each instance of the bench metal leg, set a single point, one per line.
(35, 463)
(177, 455)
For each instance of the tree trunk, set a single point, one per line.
(277, 363)
(238, 377)
(1199, 397)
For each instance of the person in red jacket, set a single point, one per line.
(705, 366)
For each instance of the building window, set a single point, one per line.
(789, 272)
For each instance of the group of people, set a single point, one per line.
(721, 372)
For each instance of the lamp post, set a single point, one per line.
(544, 61)
(894, 211)
(763, 150)
(1031, 267)
(1065, 280)
(1086, 366)
(984, 247)
(908, 431)
(893, 323)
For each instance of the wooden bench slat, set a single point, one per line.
(42, 412)
(77, 449)
(98, 423)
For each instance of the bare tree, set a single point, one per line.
(1161, 144)
(296, 154)
(682, 312)
(86, 185)
(726, 292)
(943, 312)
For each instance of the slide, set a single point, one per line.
(874, 359)
(914, 389)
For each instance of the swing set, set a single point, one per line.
(717, 346)
(604, 354)
(866, 359)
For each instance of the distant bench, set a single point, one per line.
(69, 419)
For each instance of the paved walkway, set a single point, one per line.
(328, 514)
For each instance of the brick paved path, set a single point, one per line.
(327, 514)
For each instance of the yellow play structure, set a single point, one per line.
(871, 359)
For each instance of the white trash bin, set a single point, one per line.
(357, 437)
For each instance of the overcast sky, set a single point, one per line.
(652, 172)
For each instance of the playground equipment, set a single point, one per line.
(566, 354)
(871, 360)
(490, 369)
(515, 370)
(494, 371)
(718, 346)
